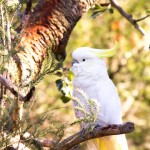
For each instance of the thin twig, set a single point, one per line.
(12, 88)
(116, 5)
(104, 4)
(137, 20)
(85, 135)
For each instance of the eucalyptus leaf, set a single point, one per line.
(148, 11)
(97, 13)
(59, 73)
(70, 75)
(111, 11)
(59, 84)
(65, 99)
(97, 8)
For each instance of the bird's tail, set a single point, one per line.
(115, 142)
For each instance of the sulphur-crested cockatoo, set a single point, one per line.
(91, 77)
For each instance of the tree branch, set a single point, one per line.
(137, 20)
(116, 5)
(85, 135)
(104, 4)
(12, 88)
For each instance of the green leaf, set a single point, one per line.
(111, 11)
(65, 99)
(66, 90)
(70, 75)
(97, 13)
(64, 85)
(59, 73)
(59, 84)
(148, 11)
(97, 8)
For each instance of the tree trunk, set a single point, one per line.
(44, 32)
(46, 29)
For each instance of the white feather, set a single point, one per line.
(91, 76)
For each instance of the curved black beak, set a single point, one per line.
(74, 61)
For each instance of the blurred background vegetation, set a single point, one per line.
(129, 70)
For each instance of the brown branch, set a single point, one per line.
(12, 88)
(116, 5)
(45, 143)
(137, 20)
(85, 135)
(104, 4)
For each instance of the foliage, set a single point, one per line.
(27, 128)
(89, 110)
(64, 85)
(13, 127)
(99, 10)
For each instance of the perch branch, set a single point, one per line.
(45, 143)
(85, 135)
(12, 88)
(116, 5)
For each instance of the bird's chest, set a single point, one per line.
(86, 82)
(86, 88)
(95, 89)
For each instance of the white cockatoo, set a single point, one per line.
(91, 77)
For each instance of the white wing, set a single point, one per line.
(110, 104)
(106, 97)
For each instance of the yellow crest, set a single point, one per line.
(103, 53)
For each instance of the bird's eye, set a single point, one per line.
(83, 59)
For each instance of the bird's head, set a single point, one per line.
(90, 60)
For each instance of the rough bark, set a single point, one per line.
(44, 31)
(47, 28)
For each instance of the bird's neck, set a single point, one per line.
(90, 79)
(90, 73)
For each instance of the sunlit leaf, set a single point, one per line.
(97, 8)
(70, 75)
(148, 11)
(97, 13)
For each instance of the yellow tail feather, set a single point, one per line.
(115, 142)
